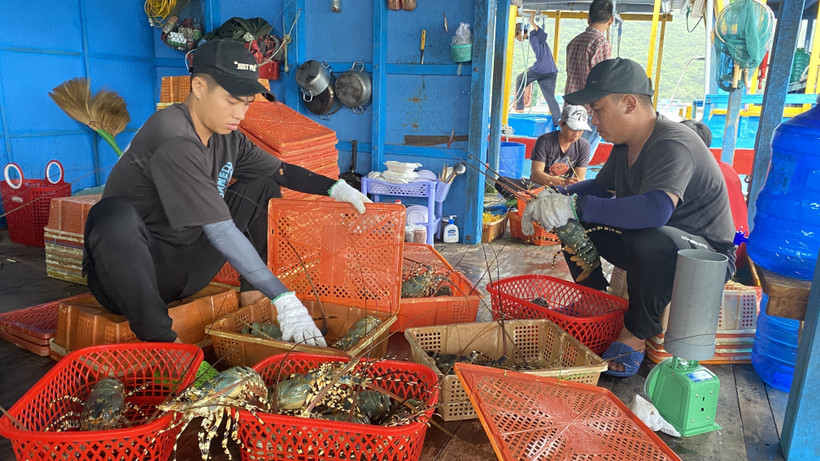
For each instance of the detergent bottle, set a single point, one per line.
(451, 231)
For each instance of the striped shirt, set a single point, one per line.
(584, 51)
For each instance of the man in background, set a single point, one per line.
(585, 51)
(544, 71)
(559, 158)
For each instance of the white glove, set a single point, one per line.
(550, 210)
(295, 322)
(342, 192)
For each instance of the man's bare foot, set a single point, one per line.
(630, 340)
(249, 297)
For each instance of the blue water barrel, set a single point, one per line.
(786, 234)
(774, 353)
(511, 159)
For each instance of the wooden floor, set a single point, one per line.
(750, 413)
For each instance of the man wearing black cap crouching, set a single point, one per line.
(169, 220)
(660, 187)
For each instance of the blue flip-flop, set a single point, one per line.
(626, 356)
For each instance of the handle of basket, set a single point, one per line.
(6, 175)
(48, 167)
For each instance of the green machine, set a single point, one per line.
(685, 392)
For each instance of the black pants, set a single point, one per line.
(547, 84)
(133, 273)
(649, 257)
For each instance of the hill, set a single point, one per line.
(632, 42)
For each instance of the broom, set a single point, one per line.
(105, 112)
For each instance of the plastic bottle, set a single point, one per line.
(786, 234)
(774, 353)
(451, 231)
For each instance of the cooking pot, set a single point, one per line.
(313, 77)
(353, 88)
(323, 103)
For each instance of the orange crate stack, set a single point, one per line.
(460, 307)
(32, 328)
(136, 366)
(272, 436)
(294, 138)
(85, 322)
(64, 236)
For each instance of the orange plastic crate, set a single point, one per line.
(461, 307)
(227, 276)
(540, 237)
(349, 258)
(282, 128)
(82, 324)
(68, 214)
(134, 365)
(535, 417)
(282, 437)
(591, 316)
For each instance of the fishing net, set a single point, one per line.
(744, 29)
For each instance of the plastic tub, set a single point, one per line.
(511, 159)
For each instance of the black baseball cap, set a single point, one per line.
(232, 66)
(616, 75)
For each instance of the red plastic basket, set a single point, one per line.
(27, 202)
(590, 316)
(536, 417)
(286, 437)
(349, 258)
(32, 327)
(134, 365)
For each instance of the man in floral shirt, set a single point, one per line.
(585, 51)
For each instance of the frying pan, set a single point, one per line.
(351, 177)
(322, 103)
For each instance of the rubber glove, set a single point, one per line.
(550, 210)
(296, 324)
(342, 192)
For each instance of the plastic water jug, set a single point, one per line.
(786, 233)
(774, 353)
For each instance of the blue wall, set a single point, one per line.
(46, 42)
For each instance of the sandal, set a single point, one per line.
(626, 356)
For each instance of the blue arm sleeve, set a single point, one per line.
(236, 248)
(588, 187)
(646, 211)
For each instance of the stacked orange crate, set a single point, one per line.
(63, 236)
(295, 139)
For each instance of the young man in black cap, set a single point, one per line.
(169, 220)
(660, 186)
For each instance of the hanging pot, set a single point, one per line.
(313, 77)
(325, 103)
(353, 88)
